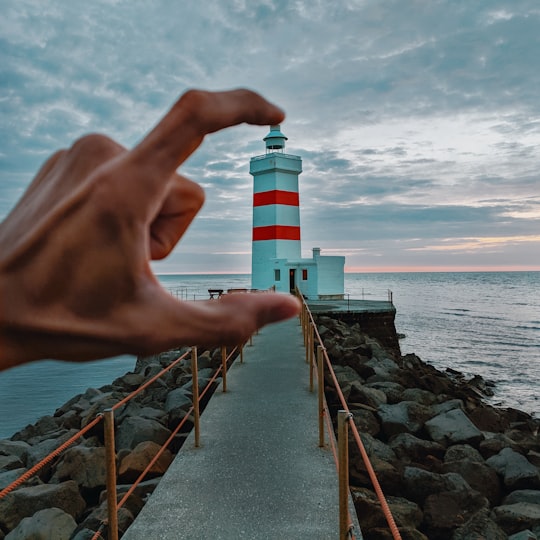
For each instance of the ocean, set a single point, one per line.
(484, 323)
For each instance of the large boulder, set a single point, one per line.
(46, 524)
(405, 513)
(513, 518)
(14, 448)
(449, 510)
(409, 448)
(133, 431)
(453, 427)
(87, 466)
(479, 526)
(403, 417)
(515, 470)
(478, 475)
(26, 501)
(134, 463)
(418, 484)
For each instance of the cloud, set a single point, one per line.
(414, 121)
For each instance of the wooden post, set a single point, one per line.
(224, 366)
(195, 384)
(110, 458)
(320, 392)
(343, 473)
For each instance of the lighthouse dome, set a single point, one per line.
(275, 140)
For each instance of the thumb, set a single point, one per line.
(228, 321)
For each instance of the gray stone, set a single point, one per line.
(371, 397)
(26, 501)
(411, 448)
(479, 527)
(523, 535)
(446, 511)
(46, 524)
(515, 470)
(8, 477)
(14, 448)
(514, 518)
(463, 451)
(133, 431)
(418, 483)
(478, 475)
(178, 399)
(86, 466)
(453, 427)
(8, 463)
(42, 449)
(424, 397)
(523, 495)
(404, 417)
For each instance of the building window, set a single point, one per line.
(277, 274)
(304, 274)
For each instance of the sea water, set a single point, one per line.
(485, 323)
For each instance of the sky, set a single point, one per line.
(418, 122)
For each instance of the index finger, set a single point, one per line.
(196, 114)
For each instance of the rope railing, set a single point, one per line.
(312, 336)
(112, 505)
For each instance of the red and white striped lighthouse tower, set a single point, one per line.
(276, 213)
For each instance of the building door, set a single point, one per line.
(292, 280)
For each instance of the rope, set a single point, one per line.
(38, 466)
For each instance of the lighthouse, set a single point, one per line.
(276, 238)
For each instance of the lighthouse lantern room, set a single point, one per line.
(276, 247)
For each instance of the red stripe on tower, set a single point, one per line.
(276, 196)
(276, 232)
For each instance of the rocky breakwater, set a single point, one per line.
(451, 466)
(67, 499)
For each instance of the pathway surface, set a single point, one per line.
(259, 473)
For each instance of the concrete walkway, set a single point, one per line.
(259, 473)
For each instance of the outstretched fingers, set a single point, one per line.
(228, 321)
(179, 133)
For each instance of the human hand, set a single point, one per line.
(75, 278)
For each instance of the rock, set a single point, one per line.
(371, 397)
(515, 470)
(409, 448)
(8, 477)
(42, 449)
(34, 433)
(478, 475)
(14, 448)
(8, 463)
(86, 466)
(178, 399)
(47, 524)
(523, 495)
(24, 502)
(494, 443)
(479, 527)
(424, 397)
(365, 421)
(513, 518)
(453, 427)
(462, 451)
(404, 417)
(133, 431)
(136, 461)
(523, 535)
(392, 390)
(368, 508)
(99, 515)
(418, 484)
(449, 510)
